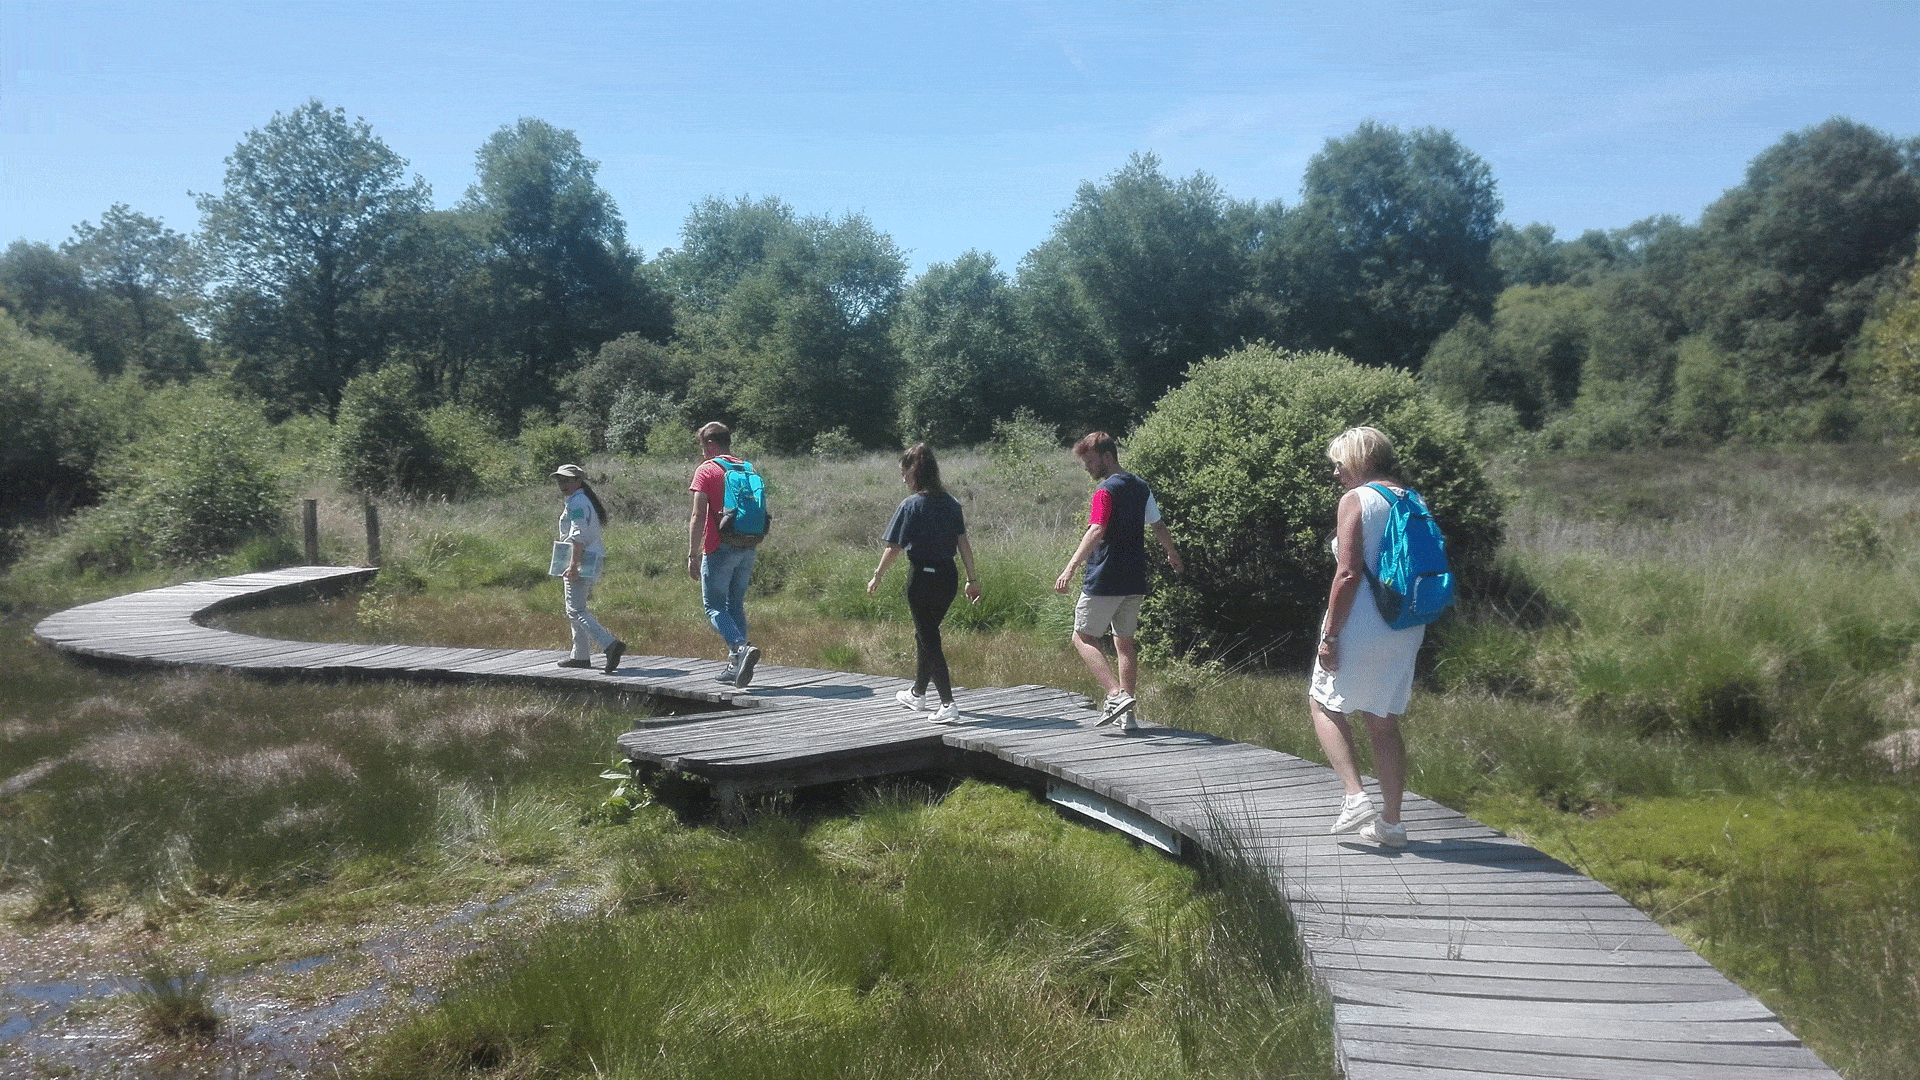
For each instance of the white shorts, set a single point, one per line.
(1095, 615)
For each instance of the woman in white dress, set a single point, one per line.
(1363, 669)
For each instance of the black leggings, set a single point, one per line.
(930, 591)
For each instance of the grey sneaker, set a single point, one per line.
(1357, 810)
(732, 670)
(1117, 706)
(911, 701)
(749, 656)
(1387, 834)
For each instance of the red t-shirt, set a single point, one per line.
(712, 479)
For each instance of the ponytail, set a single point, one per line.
(599, 508)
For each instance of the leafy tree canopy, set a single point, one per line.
(1391, 243)
(299, 239)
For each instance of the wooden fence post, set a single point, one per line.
(373, 532)
(310, 526)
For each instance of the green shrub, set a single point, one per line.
(199, 485)
(636, 414)
(552, 444)
(60, 422)
(1237, 457)
(1020, 450)
(466, 459)
(381, 442)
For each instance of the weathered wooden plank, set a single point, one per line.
(1499, 1012)
(1447, 1062)
(1337, 950)
(1779, 1054)
(1674, 992)
(1528, 968)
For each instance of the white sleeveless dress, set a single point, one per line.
(1376, 664)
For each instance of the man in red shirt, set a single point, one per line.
(723, 571)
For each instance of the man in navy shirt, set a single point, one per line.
(1114, 551)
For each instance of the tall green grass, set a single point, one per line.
(975, 935)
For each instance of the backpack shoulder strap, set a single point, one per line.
(1391, 495)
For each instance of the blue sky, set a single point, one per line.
(950, 126)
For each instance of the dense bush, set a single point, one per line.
(381, 442)
(552, 444)
(199, 484)
(1237, 457)
(635, 414)
(59, 421)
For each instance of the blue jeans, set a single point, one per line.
(724, 576)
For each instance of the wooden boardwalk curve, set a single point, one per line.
(1466, 955)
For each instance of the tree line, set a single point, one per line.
(321, 261)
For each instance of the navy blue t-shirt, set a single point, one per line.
(928, 526)
(1118, 567)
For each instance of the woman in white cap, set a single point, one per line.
(580, 521)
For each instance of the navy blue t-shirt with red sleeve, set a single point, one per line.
(1118, 567)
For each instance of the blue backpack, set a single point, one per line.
(1413, 585)
(743, 513)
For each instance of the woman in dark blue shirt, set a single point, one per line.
(929, 527)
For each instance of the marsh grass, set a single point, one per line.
(167, 789)
(916, 936)
(175, 1001)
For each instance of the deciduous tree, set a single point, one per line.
(964, 361)
(1390, 244)
(147, 281)
(1142, 277)
(563, 280)
(791, 318)
(299, 239)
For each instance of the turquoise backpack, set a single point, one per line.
(1413, 585)
(743, 514)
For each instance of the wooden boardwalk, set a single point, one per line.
(1466, 955)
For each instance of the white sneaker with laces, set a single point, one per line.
(1355, 811)
(1117, 706)
(949, 713)
(1391, 834)
(911, 701)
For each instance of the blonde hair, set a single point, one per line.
(1365, 451)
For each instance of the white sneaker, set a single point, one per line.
(1355, 811)
(1391, 834)
(1130, 721)
(949, 713)
(1118, 705)
(911, 701)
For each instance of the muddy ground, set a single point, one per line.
(68, 1003)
